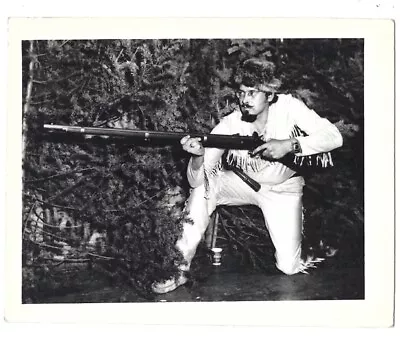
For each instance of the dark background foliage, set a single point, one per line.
(115, 207)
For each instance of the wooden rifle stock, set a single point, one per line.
(170, 138)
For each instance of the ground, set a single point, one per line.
(329, 281)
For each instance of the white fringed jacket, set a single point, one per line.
(285, 117)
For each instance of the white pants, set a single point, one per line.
(281, 206)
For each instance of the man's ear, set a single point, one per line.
(270, 97)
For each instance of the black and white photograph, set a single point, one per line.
(192, 170)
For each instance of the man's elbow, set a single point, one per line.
(337, 138)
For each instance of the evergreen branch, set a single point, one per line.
(66, 260)
(41, 82)
(97, 194)
(76, 88)
(55, 226)
(51, 234)
(99, 256)
(250, 235)
(65, 78)
(46, 259)
(69, 189)
(71, 259)
(251, 225)
(138, 205)
(41, 95)
(33, 55)
(79, 170)
(49, 83)
(33, 153)
(253, 257)
(65, 42)
(86, 81)
(82, 209)
(39, 189)
(44, 245)
(119, 55)
(232, 237)
(109, 72)
(41, 102)
(27, 219)
(47, 203)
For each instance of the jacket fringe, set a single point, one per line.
(323, 160)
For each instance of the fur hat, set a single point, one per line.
(258, 73)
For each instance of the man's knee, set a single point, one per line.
(288, 269)
(191, 235)
(289, 266)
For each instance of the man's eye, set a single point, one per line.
(251, 93)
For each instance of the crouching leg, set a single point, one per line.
(198, 209)
(284, 220)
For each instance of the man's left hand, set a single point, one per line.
(273, 149)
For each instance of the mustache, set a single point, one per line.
(245, 105)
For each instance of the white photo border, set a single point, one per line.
(377, 308)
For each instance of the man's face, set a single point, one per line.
(252, 102)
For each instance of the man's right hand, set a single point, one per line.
(192, 145)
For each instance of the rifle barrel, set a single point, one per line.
(208, 140)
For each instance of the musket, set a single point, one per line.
(170, 138)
